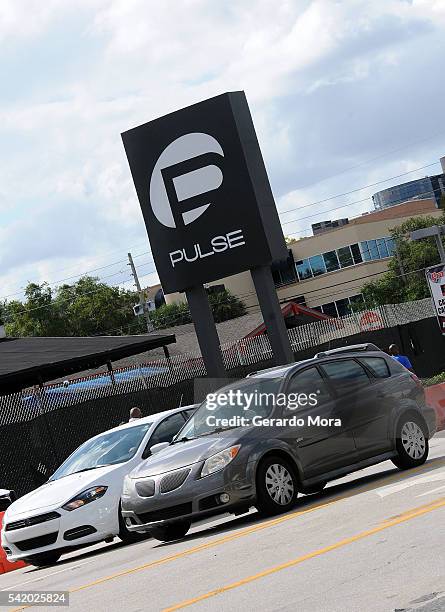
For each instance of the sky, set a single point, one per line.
(343, 93)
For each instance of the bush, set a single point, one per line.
(224, 306)
(434, 380)
(169, 315)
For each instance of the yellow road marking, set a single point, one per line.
(410, 514)
(243, 532)
(228, 538)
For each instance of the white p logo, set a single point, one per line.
(187, 169)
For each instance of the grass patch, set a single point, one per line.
(434, 380)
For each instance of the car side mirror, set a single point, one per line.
(157, 448)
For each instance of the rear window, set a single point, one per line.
(345, 372)
(377, 365)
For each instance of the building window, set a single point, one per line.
(330, 309)
(345, 257)
(373, 250)
(331, 261)
(390, 246)
(355, 250)
(283, 271)
(342, 308)
(364, 250)
(357, 302)
(369, 250)
(317, 265)
(303, 269)
(383, 250)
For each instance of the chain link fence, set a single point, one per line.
(40, 427)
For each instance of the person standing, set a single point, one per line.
(403, 359)
(135, 414)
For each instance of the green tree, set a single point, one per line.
(88, 307)
(91, 307)
(38, 315)
(224, 306)
(405, 279)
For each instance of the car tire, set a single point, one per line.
(129, 537)
(276, 485)
(43, 559)
(411, 442)
(171, 532)
(312, 490)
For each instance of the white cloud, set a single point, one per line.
(331, 85)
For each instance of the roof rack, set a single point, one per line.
(353, 348)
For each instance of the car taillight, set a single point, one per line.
(417, 380)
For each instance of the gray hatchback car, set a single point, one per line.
(342, 411)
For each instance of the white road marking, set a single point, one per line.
(410, 482)
(432, 491)
(39, 578)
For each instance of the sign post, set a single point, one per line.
(435, 276)
(209, 210)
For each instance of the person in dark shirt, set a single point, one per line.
(395, 354)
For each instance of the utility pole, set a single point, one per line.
(400, 263)
(140, 292)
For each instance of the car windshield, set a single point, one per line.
(225, 408)
(111, 448)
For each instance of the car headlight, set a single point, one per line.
(86, 497)
(126, 487)
(218, 462)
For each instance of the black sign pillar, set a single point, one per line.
(272, 315)
(209, 210)
(206, 331)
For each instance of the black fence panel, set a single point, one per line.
(34, 445)
(40, 428)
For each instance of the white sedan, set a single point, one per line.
(80, 503)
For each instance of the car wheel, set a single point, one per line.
(276, 484)
(316, 488)
(170, 532)
(130, 537)
(411, 443)
(43, 559)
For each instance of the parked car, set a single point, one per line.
(369, 409)
(6, 499)
(80, 503)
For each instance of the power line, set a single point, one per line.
(425, 193)
(368, 161)
(358, 189)
(171, 320)
(79, 275)
(241, 296)
(280, 213)
(53, 304)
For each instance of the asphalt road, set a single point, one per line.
(374, 541)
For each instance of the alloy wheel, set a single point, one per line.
(413, 440)
(279, 484)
